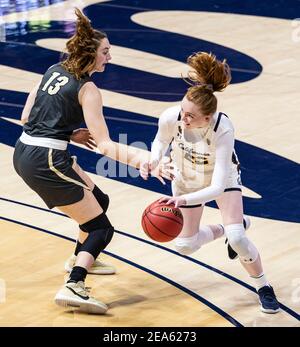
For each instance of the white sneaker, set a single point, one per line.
(77, 295)
(98, 268)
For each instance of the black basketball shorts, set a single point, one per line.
(49, 173)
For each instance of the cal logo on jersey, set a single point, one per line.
(193, 156)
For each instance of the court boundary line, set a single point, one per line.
(196, 296)
(196, 261)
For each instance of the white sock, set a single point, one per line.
(181, 241)
(260, 281)
(206, 234)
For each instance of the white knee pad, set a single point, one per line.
(240, 243)
(189, 245)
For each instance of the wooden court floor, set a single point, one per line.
(154, 286)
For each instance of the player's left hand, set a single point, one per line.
(175, 200)
(83, 137)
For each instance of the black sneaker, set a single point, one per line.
(267, 299)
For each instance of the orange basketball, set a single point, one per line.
(162, 222)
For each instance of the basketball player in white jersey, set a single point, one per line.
(206, 168)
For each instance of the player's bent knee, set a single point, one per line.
(102, 198)
(187, 245)
(100, 233)
(238, 240)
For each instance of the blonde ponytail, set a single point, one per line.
(208, 75)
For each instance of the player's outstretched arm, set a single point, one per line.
(91, 101)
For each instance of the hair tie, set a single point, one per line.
(206, 86)
(209, 87)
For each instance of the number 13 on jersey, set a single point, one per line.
(62, 80)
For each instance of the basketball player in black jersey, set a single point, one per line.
(54, 110)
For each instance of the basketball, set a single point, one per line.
(162, 222)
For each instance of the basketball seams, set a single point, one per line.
(154, 222)
(156, 204)
(147, 210)
(172, 219)
(154, 226)
(144, 225)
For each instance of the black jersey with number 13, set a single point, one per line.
(56, 111)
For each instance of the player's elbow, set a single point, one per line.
(24, 120)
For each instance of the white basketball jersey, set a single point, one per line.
(193, 151)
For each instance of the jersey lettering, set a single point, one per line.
(62, 80)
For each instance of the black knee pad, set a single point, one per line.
(102, 198)
(99, 222)
(100, 234)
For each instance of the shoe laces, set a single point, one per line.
(83, 289)
(267, 293)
